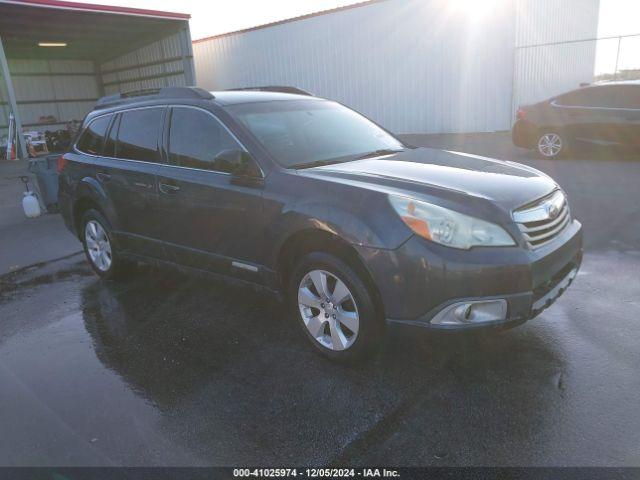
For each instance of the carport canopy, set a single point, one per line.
(88, 32)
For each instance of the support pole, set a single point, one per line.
(187, 57)
(13, 105)
(615, 74)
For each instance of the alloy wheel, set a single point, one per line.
(98, 245)
(328, 310)
(550, 144)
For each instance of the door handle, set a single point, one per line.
(104, 177)
(168, 188)
(142, 185)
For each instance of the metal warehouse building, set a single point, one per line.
(416, 66)
(57, 58)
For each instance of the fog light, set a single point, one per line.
(472, 312)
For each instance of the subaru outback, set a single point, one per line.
(304, 197)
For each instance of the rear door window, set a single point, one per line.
(92, 139)
(577, 98)
(626, 96)
(606, 96)
(196, 139)
(603, 97)
(138, 134)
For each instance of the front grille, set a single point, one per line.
(543, 220)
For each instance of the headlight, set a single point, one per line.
(447, 227)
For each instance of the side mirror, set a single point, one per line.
(243, 168)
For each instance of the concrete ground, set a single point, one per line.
(27, 241)
(165, 369)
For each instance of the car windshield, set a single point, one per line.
(304, 133)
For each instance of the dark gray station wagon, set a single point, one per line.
(309, 199)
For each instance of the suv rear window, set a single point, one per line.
(138, 134)
(92, 139)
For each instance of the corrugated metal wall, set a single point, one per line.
(550, 21)
(549, 60)
(167, 62)
(430, 75)
(415, 66)
(545, 71)
(63, 89)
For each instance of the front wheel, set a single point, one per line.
(335, 308)
(551, 144)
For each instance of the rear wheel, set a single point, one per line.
(99, 248)
(551, 144)
(334, 308)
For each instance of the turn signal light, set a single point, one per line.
(418, 225)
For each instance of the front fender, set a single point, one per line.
(359, 226)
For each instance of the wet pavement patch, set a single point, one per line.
(167, 369)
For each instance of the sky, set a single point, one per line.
(213, 17)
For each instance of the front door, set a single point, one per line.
(625, 105)
(209, 222)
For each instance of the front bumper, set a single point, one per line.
(421, 280)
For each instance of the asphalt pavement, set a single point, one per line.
(169, 369)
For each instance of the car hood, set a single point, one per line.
(429, 171)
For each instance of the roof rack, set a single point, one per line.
(165, 92)
(274, 88)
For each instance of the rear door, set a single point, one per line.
(208, 222)
(626, 106)
(127, 171)
(581, 120)
(591, 114)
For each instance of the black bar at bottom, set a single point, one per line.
(402, 473)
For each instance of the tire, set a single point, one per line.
(354, 338)
(551, 144)
(99, 248)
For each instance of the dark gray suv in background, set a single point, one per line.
(606, 114)
(309, 199)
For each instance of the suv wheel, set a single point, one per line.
(551, 144)
(334, 307)
(97, 239)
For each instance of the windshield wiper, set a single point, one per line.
(378, 153)
(321, 163)
(316, 163)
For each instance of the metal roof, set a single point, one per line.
(294, 19)
(90, 7)
(91, 32)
